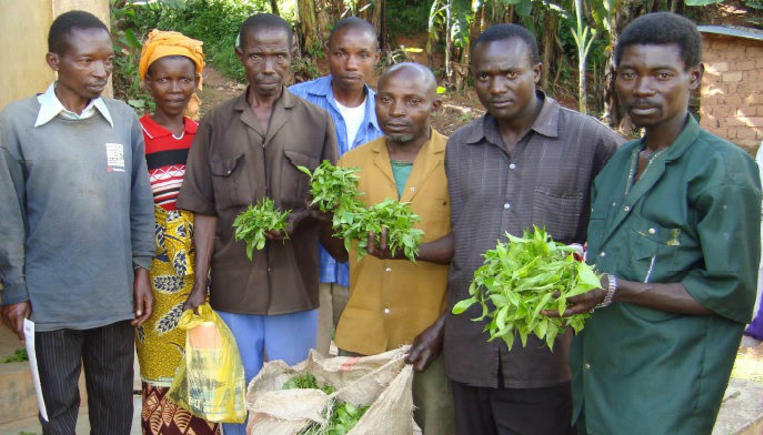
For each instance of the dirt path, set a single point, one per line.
(456, 110)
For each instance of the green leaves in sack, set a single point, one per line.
(523, 277)
(306, 380)
(251, 224)
(340, 416)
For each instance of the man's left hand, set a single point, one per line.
(144, 298)
(582, 304)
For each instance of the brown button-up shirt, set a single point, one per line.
(234, 163)
(546, 181)
(392, 301)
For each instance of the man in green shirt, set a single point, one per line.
(675, 229)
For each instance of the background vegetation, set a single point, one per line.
(575, 37)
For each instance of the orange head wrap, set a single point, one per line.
(161, 44)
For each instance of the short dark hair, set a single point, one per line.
(502, 32)
(352, 23)
(263, 20)
(64, 24)
(663, 28)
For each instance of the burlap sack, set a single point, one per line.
(381, 381)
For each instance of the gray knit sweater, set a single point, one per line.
(76, 215)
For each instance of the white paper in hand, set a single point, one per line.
(29, 342)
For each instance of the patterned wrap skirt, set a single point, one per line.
(159, 342)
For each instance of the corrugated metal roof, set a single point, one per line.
(736, 31)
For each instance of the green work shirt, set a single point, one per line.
(693, 217)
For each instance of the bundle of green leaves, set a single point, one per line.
(341, 416)
(251, 224)
(397, 218)
(524, 277)
(335, 190)
(332, 187)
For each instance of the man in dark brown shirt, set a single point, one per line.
(247, 149)
(527, 162)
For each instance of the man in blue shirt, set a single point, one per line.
(352, 52)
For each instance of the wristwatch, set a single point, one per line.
(611, 288)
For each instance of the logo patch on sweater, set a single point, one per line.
(115, 157)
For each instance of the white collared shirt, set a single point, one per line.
(51, 106)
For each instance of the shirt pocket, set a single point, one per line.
(294, 183)
(229, 181)
(654, 252)
(435, 217)
(559, 213)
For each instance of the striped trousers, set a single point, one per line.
(107, 355)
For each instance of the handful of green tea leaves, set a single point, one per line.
(341, 416)
(251, 224)
(335, 190)
(523, 277)
(332, 187)
(395, 216)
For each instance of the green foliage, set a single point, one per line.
(332, 187)
(18, 356)
(215, 22)
(336, 190)
(340, 416)
(702, 2)
(126, 81)
(251, 225)
(408, 17)
(306, 380)
(520, 279)
(398, 219)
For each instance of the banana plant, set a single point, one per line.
(583, 36)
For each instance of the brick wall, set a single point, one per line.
(732, 89)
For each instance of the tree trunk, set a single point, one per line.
(549, 33)
(274, 7)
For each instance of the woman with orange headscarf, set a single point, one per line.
(170, 68)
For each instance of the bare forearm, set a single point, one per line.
(333, 245)
(203, 241)
(671, 297)
(438, 251)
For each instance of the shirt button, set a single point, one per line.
(506, 206)
(268, 270)
(512, 166)
(413, 189)
(389, 269)
(651, 230)
(627, 208)
(614, 204)
(386, 311)
(602, 254)
(587, 366)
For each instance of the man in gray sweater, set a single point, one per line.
(76, 218)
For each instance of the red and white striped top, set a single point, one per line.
(166, 155)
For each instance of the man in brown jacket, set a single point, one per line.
(248, 149)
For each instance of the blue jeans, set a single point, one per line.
(287, 337)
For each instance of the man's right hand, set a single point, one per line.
(427, 346)
(14, 315)
(195, 299)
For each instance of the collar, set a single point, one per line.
(287, 100)
(684, 140)
(51, 107)
(322, 88)
(546, 123)
(436, 143)
(154, 130)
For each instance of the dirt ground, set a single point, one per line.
(456, 110)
